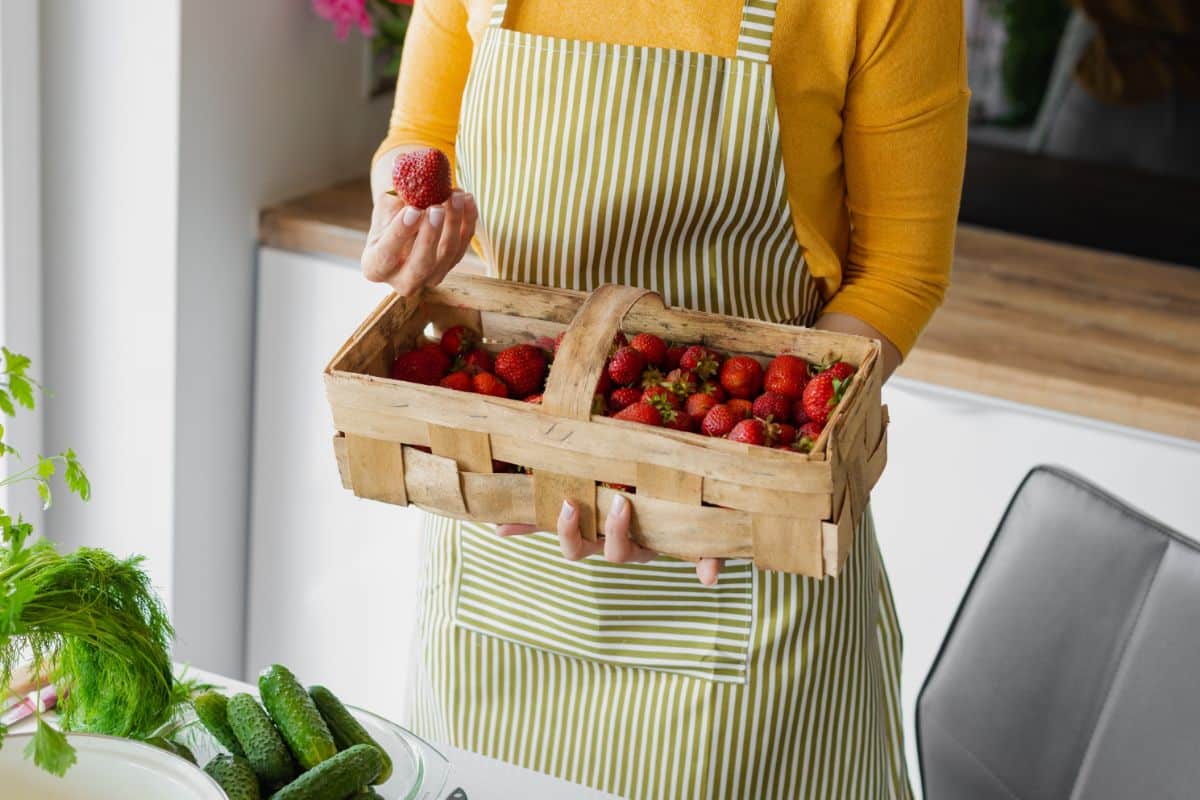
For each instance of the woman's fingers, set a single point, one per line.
(708, 570)
(570, 540)
(457, 231)
(387, 250)
(513, 529)
(618, 547)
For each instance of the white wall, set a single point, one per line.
(110, 124)
(20, 237)
(166, 126)
(271, 106)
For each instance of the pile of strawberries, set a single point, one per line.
(646, 380)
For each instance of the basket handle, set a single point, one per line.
(584, 349)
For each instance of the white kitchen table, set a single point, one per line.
(481, 778)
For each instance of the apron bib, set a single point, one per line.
(596, 163)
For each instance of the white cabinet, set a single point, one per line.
(331, 577)
(955, 459)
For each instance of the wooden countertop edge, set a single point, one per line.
(1056, 394)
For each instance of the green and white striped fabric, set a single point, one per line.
(597, 163)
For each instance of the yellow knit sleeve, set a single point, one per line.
(904, 143)
(433, 74)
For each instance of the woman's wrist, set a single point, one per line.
(844, 323)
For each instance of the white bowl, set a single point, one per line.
(107, 768)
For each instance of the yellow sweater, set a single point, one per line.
(872, 101)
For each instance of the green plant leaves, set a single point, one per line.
(50, 750)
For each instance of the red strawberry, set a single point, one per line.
(698, 405)
(619, 340)
(422, 178)
(523, 368)
(713, 388)
(741, 376)
(459, 381)
(799, 415)
(749, 431)
(652, 347)
(535, 399)
(677, 419)
(662, 394)
(674, 353)
(652, 376)
(822, 395)
(603, 383)
(626, 365)
(683, 382)
(479, 361)
(743, 408)
(783, 433)
(487, 383)
(786, 375)
(558, 341)
(623, 397)
(841, 370)
(459, 340)
(426, 365)
(773, 407)
(700, 360)
(807, 436)
(719, 421)
(640, 412)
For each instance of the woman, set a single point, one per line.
(799, 163)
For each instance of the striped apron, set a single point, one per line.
(597, 163)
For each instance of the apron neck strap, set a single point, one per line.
(754, 34)
(754, 37)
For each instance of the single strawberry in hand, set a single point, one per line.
(786, 375)
(489, 384)
(772, 407)
(422, 178)
(651, 346)
(641, 412)
(626, 366)
(700, 360)
(698, 405)
(426, 365)
(459, 381)
(743, 408)
(459, 340)
(479, 360)
(623, 397)
(742, 377)
(807, 436)
(749, 431)
(822, 395)
(523, 368)
(719, 421)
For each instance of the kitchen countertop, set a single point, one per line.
(1099, 335)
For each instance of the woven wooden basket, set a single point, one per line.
(695, 496)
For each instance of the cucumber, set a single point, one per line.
(211, 708)
(345, 728)
(163, 743)
(235, 776)
(335, 778)
(265, 750)
(297, 717)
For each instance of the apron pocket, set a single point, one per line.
(652, 616)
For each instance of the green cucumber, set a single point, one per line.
(296, 715)
(163, 743)
(335, 778)
(345, 728)
(235, 776)
(211, 708)
(264, 748)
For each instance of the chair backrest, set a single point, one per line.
(1072, 668)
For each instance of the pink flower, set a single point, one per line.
(343, 14)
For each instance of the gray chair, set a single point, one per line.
(1072, 668)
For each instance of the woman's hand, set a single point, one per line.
(615, 544)
(409, 248)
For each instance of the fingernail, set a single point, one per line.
(470, 198)
(568, 512)
(410, 216)
(618, 504)
(436, 214)
(458, 200)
